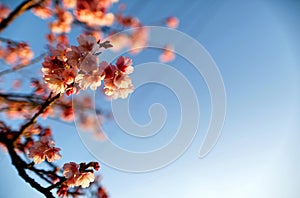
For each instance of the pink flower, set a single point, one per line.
(43, 10)
(53, 69)
(117, 83)
(4, 11)
(85, 179)
(71, 170)
(172, 22)
(124, 64)
(17, 54)
(86, 43)
(58, 75)
(119, 41)
(92, 79)
(167, 55)
(93, 12)
(138, 40)
(75, 177)
(44, 149)
(90, 75)
(118, 87)
(69, 4)
(63, 22)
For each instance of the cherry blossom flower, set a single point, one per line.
(73, 69)
(119, 41)
(62, 191)
(116, 83)
(4, 11)
(69, 4)
(63, 22)
(127, 21)
(172, 22)
(167, 55)
(67, 114)
(44, 149)
(92, 12)
(75, 177)
(52, 69)
(85, 179)
(138, 40)
(43, 10)
(32, 130)
(71, 170)
(124, 64)
(17, 53)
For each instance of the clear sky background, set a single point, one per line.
(256, 46)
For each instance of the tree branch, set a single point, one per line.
(21, 66)
(20, 166)
(44, 106)
(26, 5)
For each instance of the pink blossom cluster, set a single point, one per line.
(44, 149)
(63, 22)
(79, 175)
(94, 12)
(77, 68)
(16, 53)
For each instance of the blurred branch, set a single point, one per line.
(26, 5)
(6, 40)
(44, 106)
(21, 66)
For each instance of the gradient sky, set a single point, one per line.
(256, 46)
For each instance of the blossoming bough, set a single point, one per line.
(66, 70)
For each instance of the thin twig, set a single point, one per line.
(21, 66)
(26, 5)
(19, 165)
(44, 106)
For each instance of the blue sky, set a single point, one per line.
(256, 47)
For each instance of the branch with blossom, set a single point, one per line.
(65, 70)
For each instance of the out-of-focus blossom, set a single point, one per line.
(119, 41)
(44, 149)
(32, 130)
(69, 4)
(101, 192)
(93, 12)
(172, 22)
(4, 11)
(138, 40)
(67, 114)
(96, 34)
(57, 39)
(16, 54)
(127, 21)
(62, 191)
(16, 84)
(167, 55)
(43, 10)
(63, 22)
